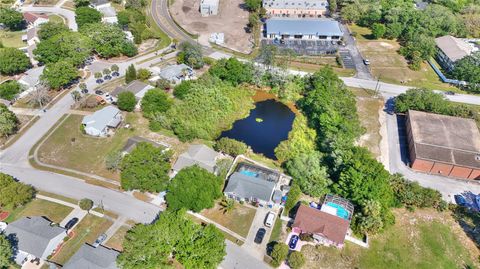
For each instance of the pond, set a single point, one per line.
(267, 125)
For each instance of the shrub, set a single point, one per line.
(230, 146)
(113, 160)
(296, 260)
(9, 89)
(126, 101)
(279, 254)
(86, 204)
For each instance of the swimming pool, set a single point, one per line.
(341, 212)
(249, 173)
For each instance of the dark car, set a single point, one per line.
(450, 93)
(85, 91)
(99, 92)
(293, 241)
(71, 223)
(460, 200)
(259, 237)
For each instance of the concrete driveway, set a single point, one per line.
(76, 213)
(259, 250)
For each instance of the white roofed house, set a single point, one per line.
(209, 7)
(34, 238)
(34, 19)
(102, 121)
(109, 14)
(176, 73)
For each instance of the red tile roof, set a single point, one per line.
(314, 221)
(32, 17)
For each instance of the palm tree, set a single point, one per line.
(227, 205)
(114, 69)
(82, 86)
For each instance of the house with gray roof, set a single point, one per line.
(102, 121)
(34, 237)
(30, 80)
(88, 257)
(200, 155)
(137, 87)
(303, 29)
(249, 187)
(177, 73)
(451, 49)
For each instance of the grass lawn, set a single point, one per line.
(389, 66)
(12, 39)
(368, 107)
(86, 231)
(238, 220)
(38, 207)
(226, 235)
(69, 5)
(116, 241)
(68, 147)
(423, 239)
(56, 18)
(276, 230)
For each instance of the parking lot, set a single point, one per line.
(305, 47)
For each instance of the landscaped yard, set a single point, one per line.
(389, 66)
(86, 231)
(116, 241)
(423, 239)
(38, 207)
(12, 39)
(56, 18)
(68, 147)
(238, 220)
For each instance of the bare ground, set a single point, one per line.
(231, 20)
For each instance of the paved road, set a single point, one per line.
(363, 71)
(238, 258)
(68, 14)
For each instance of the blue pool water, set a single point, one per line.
(341, 212)
(249, 173)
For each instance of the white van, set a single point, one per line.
(269, 219)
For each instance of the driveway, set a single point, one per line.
(363, 71)
(76, 213)
(259, 250)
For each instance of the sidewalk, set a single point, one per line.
(115, 226)
(25, 111)
(74, 206)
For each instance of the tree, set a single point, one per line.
(370, 219)
(351, 13)
(82, 86)
(253, 20)
(155, 101)
(172, 236)
(378, 30)
(85, 204)
(301, 140)
(296, 259)
(193, 188)
(162, 84)
(51, 29)
(182, 89)
(81, 3)
(191, 55)
(126, 101)
(332, 6)
(267, 55)
(67, 46)
(143, 74)
(253, 5)
(14, 193)
(10, 89)
(106, 71)
(108, 40)
(135, 4)
(13, 61)
(309, 173)
(11, 18)
(6, 252)
(131, 74)
(145, 168)
(86, 15)
(76, 96)
(468, 69)
(230, 146)
(113, 160)
(114, 68)
(279, 254)
(292, 197)
(8, 121)
(58, 75)
(228, 205)
(233, 71)
(97, 75)
(411, 195)
(40, 96)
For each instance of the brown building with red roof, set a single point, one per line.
(325, 228)
(443, 145)
(35, 19)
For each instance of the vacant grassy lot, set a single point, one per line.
(38, 207)
(116, 241)
(56, 18)
(389, 66)
(424, 239)
(86, 231)
(68, 147)
(238, 220)
(12, 39)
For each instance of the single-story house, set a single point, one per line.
(451, 49)
(176, 73)
(109, 14)
(303, 29)
(200, 155)
(209, 7)
(99, 3)
(133, 141)
(137, 87)
(89, 257)
(34, 237)
(102, 121)
(34, 19)
(30, 80)
(249, 188)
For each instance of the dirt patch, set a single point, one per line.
(231, 20)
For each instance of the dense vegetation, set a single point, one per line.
(59, 74)
(85, 15)
(145, 168)
(468, 69)
(108, 40)
(193, 188)
(8, 121)
(11, 18)
(172, 236)
(233, 71)
(231, 146)
(126, 101)
(6, 252)
(10, 89)
(71, 46)
(191, 55)
(14, 193)
(51, 29)
(154, 102)
(13, 61)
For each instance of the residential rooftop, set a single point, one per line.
(243, 185)
(137, 87)
(454, 48)
(317, 27)
(88, 257)
(198, 154)
(445, 138)
(105, 117)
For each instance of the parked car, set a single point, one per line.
(99, 92)
(71, 223)
(293, 241)
(260, 234)
(460, 200)
(85, 91)
(99, 240)
(449, 93)
(477, 200)
(269, 219)
(366, 61)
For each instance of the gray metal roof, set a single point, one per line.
(108, 11)
(105, 117)
(133, 141)
(137, 87)
(319, 27)
(454, 48)
(33, 234)
(245, 186)
(174, 71)
(88, 257)
(32, 76)
(295, 4)
(199, 154)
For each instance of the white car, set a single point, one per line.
(269, 219)
(366, 61)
